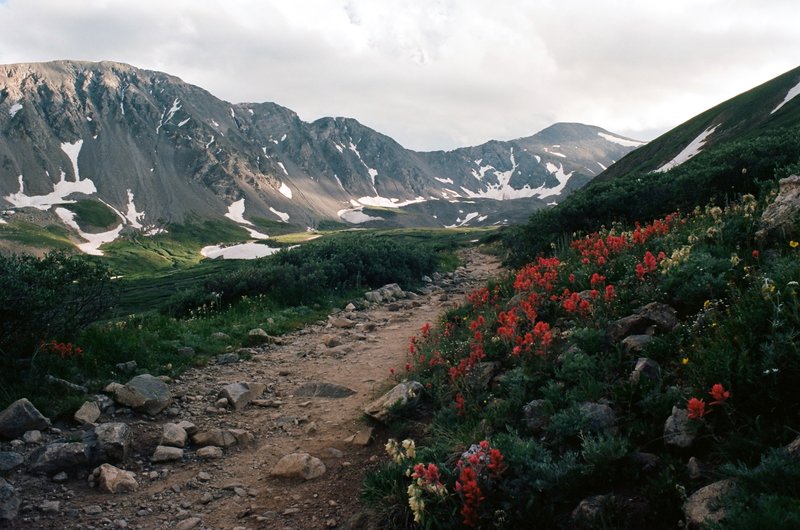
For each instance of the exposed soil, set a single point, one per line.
(237, 491)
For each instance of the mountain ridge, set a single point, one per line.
(154, 148)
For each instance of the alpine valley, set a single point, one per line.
(90, 152)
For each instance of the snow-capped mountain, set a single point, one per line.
(154, 149)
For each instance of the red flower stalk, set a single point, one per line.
(719, 394)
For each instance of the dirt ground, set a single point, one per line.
(237, 491)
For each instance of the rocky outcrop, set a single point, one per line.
(59, 456)
(19, 417)
(239, 395)
(778, 219)
(88, 413)
(112, 442)
(143, 393)
(645, 369)
(111, 479)
(9, 501)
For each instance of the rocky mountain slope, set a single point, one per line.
(154, 149)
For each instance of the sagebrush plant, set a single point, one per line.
(525, 365)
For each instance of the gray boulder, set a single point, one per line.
(537, 415)
(111, 479)
(112, 442)
(404, 394)
(9, 501)
(216, 437)
(59, 456)
(19, 417)
(173, 435)
(143, 393)
(9, 461)
(647, 369)
(590, 510)
(678, 429)
(239, 395)
(635, 344)
(704, 505)
(662, 315)
(299, 465)
(258, 336)
(599, 417)
(88, 413)
(625, 326)
(166, 454)
(779, 217)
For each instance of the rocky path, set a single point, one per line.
(315, 383)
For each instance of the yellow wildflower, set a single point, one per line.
(793, 243)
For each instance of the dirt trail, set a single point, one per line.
(236, 490)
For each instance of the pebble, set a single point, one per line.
(93, 509)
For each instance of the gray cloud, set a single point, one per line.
(434, 73)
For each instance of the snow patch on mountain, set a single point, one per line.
(793, 92)
(16, 107)
(236, 214)
(284, 217)
(620, 141)
(463, 222)
(387, 202)
(444, 181)
(241, 251)
(285, 190)
(133, 216)
(284, 169)
(93, 241)
(355, 216)
(689, 151)
(554, 153)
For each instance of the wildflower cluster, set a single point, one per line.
(697, 407)
(424, 477)
(479, 465)
(65, 350)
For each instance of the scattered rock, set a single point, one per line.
(19, 417)
(778, 219)
(257, 337)
(590, 510)
(625, 326)
(88, 413)
(166, 454)
(635, 344)
(112, 442)
(143, 393)
(350, 308)
(239, 395)
(93, 509)
(9, 461)
(59, 456)
(485, 372)
(299, 465)
(659, 314)
(228, 358)
(331, 341)
(66, 384)
(60, 478)
(185, 351)
(323, 390)
(696, 468)
(600, 417)
(9, 501)
(243, 437)
(678, 429)
(647, 369)
(188, 426)
(427, 279)
(218, 335)
(173, 435)
(126, 367)
(335, 453)
(188, 524)
(217, 437)
(703, 506)
(32, 437)
(114, 480)
(793, 448)
(104, 403)
(537, 415)
(341, 322)
(404, 394)
(210, 452)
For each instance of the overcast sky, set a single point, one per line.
(434, 74)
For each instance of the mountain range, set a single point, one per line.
(151, 150)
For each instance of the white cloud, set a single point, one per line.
(434, 73)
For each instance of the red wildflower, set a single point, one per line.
(460, 405)
(719, 394)
(755, 254)
(696, 408)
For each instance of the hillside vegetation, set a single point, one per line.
(58, 311)
(602, 385)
